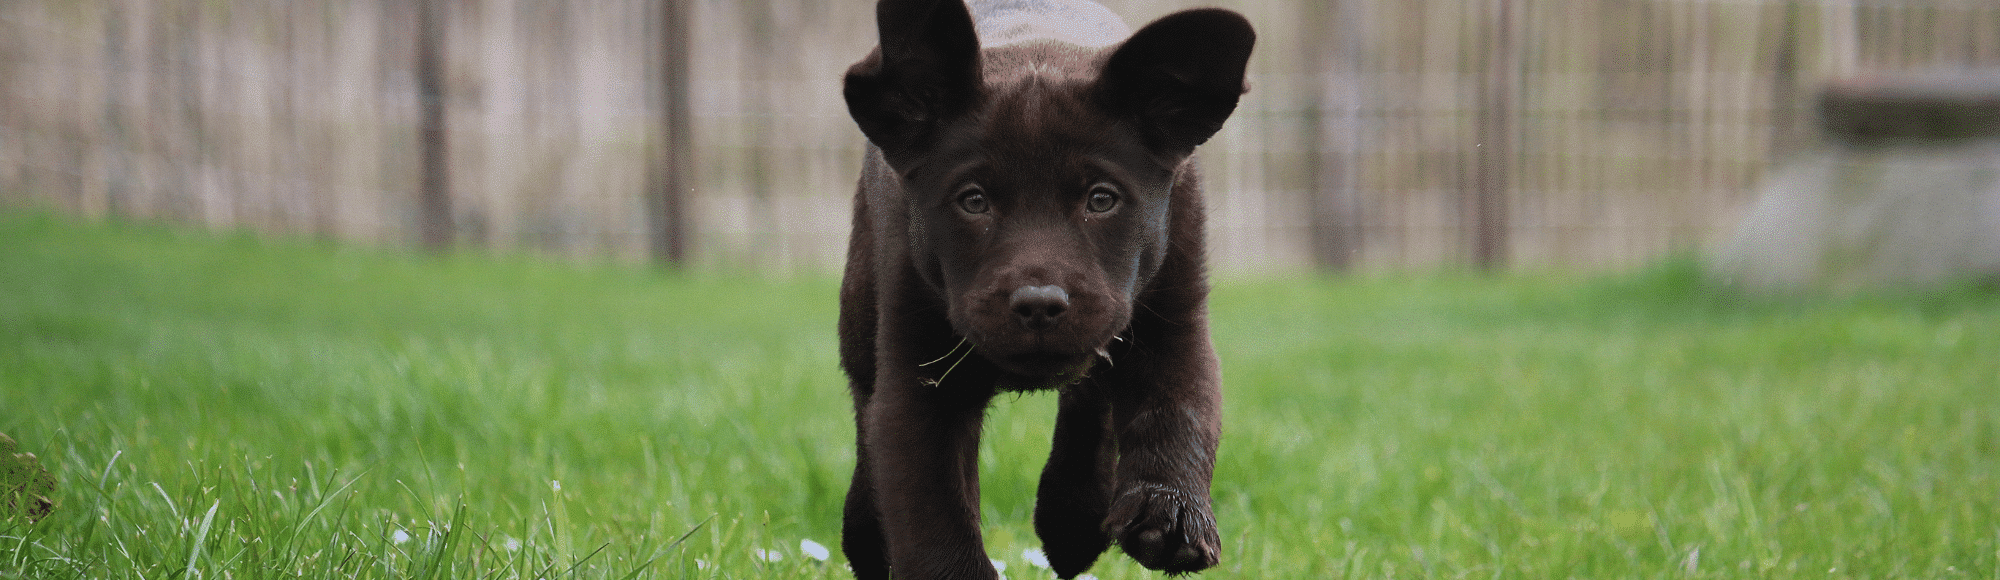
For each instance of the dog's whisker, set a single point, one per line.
(947, 354)
(954, 364)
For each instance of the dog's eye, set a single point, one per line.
(1102, 199)
(972, 199)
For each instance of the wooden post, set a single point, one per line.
(1333, 138)
(434, 192)
(1786, 135)
(671, 172)
(117, 165)
(1486, 207)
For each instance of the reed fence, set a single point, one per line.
(1379, 134)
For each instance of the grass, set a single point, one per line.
(229, 406)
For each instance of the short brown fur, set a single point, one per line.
(1029, 217)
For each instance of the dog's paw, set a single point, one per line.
(1164, 528)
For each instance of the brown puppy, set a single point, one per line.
(1029, 218)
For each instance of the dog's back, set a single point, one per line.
(1078, 22)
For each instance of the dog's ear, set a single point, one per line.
(926, 70)
(1179, 77)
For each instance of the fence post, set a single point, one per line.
(1332, 134)
(434, 193)
(1785, 134)
(671, 172)
(115, 145)
(1486, 207)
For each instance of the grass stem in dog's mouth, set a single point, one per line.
(947, 370)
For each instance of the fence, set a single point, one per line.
(1378, 133)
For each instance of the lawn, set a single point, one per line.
(222, 405)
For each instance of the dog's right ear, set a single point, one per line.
(925, 71)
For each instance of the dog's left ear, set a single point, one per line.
(1179, 77)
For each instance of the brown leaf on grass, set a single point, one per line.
(24, 486)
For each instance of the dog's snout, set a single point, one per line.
(1039, 306)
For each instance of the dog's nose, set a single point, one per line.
(1039, 306)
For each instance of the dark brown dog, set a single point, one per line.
(1029, 218)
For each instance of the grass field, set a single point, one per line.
(228, 406)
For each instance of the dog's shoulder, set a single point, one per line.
(1078, 22)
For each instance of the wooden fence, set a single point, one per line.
(1378, 133)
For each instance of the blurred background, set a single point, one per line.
(1378, 134)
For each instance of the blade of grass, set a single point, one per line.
(571, 571)
(200, 537)
(445, 544)
(669, 547)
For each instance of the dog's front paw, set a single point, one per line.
(1164, 528)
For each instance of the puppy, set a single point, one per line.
(1029, 217)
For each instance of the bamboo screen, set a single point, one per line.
(1378, 134)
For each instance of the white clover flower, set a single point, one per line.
(813, 550)
(1035, 558)
(399, 537)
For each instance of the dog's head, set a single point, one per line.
(1037, 176)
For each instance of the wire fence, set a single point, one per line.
(1378, 133)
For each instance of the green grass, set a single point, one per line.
(228, 406)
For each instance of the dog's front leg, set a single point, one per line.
(1075, 491)
(1167, 417)
(924, 442)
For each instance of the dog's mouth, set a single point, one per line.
(1046, 364)
(1044, 367)
(1039, 334)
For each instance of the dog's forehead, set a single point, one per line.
(1040, 115)
(1039, 104)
